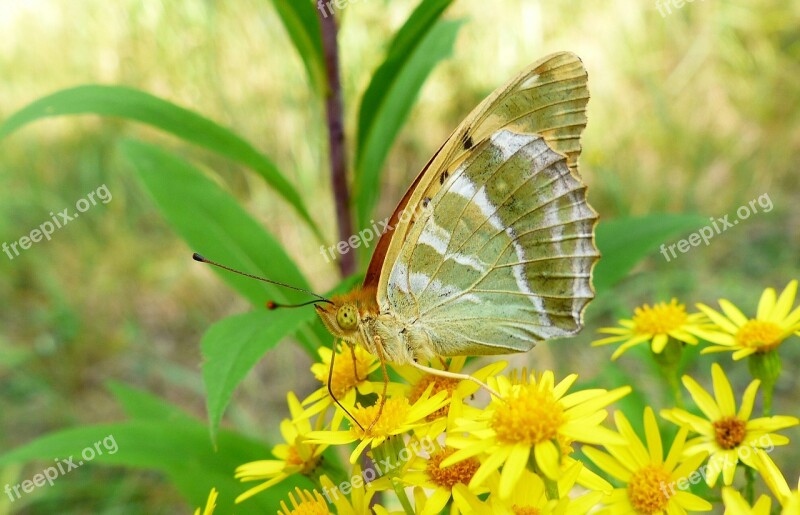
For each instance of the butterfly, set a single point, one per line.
(492, 247)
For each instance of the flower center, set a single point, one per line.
(660, 319)
(528, 416)
(393, 414)
(306, 503)
(647, 489)
(345, 375)
(730, 432)
(440, 384)
(525, 510)
(448, 477)
(759, 334)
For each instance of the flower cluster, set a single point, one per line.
(422, 443)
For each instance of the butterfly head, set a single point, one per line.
(345, 313)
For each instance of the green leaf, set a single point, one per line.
(625, 242)
(137, 105)
(301, 22)
(179, 448)
(214, 224)
(139, 404)
(416, 50)
(234, 345)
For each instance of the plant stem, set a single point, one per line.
(749, 491)
(336, 141)
(401, 495)
(669, 360)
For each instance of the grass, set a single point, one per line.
(695, 111)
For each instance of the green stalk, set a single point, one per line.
(669, 360)
(766, 367)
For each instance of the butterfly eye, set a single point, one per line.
(346, 317)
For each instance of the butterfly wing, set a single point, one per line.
(447, 265)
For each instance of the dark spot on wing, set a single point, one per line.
(468, 144)
(443, 177)
(426, 201)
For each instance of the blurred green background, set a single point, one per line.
(696, 111)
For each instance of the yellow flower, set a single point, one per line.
(649, 478)
(211, 503)
(351, 369)
(306, 503)
(530, 421)
(419, 380)
(398, 416)
(736, 505)
(656, 325)
(727, 435)
(790, 500)
(531, 497)
(296, 456)
(775, 321)
(425, 472)
(360, 494)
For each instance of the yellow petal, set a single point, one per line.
(723, 391)
(547, 459)
(635, 445)
(676, 449)
(659, 342)
(513, 468)
(717, 318)
(748, 400)
(653, 437)
(732, 312)
(771, 474)
(765, 304)
(691, 502)
(491, 464)
(703, 400)
(784, 304)
(608, 464)
(728, 471)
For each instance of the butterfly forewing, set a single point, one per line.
(501, 257)
(548, 99)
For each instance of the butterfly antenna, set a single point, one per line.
(330, 392)
(270, 304)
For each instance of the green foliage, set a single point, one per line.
(415, 51)
(131, 104)
(159, 436)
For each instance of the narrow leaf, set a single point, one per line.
(132, 104)
(179, 448)
(390, 96)
(625, 242)
(214, 224)
(302, 24)
(234, 345)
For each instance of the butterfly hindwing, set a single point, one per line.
(501, 257)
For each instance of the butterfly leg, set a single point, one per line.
(454, 375)
(355, 366)
(379, 350)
